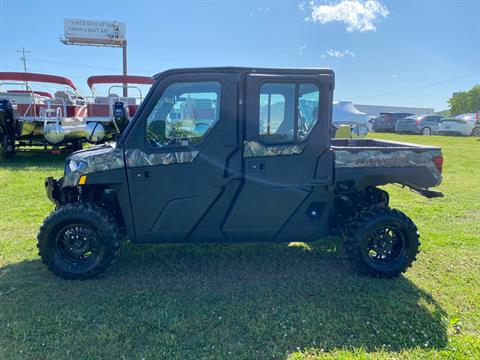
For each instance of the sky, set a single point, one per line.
(392, 52)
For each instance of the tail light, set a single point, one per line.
(438, 161)
(418, 122)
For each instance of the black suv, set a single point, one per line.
(386, 121)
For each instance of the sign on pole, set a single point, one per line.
(97, 33)
(94, 32)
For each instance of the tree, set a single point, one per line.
(465, 101)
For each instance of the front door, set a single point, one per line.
(287, 164)
(181, 154)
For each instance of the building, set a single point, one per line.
(375, 110)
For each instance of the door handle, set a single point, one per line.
(256, 166)
(140, 175)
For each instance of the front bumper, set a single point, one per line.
(52, 188)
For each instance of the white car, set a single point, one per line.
(466, 124)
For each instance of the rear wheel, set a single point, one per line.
(476, 132)
(382, 242)
(426, 131)
(79, 241)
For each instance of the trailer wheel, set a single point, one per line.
(382, 242)
(79, 241)
(76, 145)
(8, 146)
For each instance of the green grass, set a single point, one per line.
(247, 301)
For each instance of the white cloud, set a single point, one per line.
(302, 48)
(337, 53)
(358, 15)
(394, 76)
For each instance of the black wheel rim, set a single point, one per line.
(78, 243)
(385, 244)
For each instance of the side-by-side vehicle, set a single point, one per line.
(235, 155)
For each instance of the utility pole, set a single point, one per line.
(124, 52)
(24, 61)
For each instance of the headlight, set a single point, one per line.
(74, 165)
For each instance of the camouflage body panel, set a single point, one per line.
(397, 158)
(137, 157)
(108, 157)
(98, 158)
(256, 149)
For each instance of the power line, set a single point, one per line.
(418, 87)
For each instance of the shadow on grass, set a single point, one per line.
(33, 158)
(220, 301)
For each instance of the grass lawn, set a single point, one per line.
(247, 301)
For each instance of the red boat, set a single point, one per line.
(45, 118)
(106, 110)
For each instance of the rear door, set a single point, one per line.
(287, 164)
(180, 156)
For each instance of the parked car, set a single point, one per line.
(386, 122)
(421, 124)
(466, 124)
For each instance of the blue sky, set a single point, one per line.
(392, 52)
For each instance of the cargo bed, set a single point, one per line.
(364, 162)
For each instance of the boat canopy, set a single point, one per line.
(41, 93)
(119, 79)
(34, 77)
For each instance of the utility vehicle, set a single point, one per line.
(235, 155)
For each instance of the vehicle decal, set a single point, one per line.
(256, 149)
(397, 158)
(101, 158)
(136, 157)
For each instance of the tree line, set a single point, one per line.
(465, 101)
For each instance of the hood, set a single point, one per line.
(95, 159)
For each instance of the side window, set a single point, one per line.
(308, 103)
(287, 111)
(184, 114)
(277, 112)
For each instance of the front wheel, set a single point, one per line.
(79, 241)
(382, 242)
